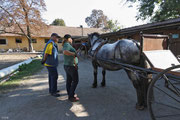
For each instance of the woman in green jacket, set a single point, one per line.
(70, 67)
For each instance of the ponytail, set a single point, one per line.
(65, 40)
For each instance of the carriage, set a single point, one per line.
(163, 94)
(164, 90)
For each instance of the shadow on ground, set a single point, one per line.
(114, 102)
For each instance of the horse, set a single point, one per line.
(81, 47)
(124, 51)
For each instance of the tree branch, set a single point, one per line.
(3, 32)
(15, 21)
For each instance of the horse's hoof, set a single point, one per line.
(94, 86)
(139, 107)
(103, 84)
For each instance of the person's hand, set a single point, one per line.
(78, 50)
(76, 66)
(75, 54)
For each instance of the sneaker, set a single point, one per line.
(55, 94)
(74, 99)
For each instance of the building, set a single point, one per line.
(14, 41)
(169, 27)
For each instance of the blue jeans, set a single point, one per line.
(72, 79)
(53, 76)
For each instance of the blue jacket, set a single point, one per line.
(52, 59)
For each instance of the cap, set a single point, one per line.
(55, 34)
(67, 36)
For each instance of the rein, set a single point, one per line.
(97, 49)
(94, 44)
(80, 49)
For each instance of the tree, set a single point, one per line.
(157, 10)
(97, 19)
(58, 22)
(22, 17)
(112, 26)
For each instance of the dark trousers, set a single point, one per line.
(53, 76)
(72, 80)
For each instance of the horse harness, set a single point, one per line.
(97, 49)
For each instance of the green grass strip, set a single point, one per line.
(25, 70)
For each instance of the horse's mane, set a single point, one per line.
(96, 34)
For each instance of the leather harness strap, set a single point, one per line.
(97, 49)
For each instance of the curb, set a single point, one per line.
(6, 71)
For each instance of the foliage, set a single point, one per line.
(112, 26)
(58, 22)
(25, 70)
(22, 17)
(97, 19)
(157, 10)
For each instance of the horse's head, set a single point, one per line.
(93, 38)
(94, 41)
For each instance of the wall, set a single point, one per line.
(174, 43)
(39, 46)
(11, 43)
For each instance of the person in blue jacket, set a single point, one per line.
(50, 60)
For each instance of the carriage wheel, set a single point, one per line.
(164, 96)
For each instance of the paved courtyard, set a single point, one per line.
(31, 101)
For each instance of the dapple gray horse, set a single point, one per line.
(124, 51)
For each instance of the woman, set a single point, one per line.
(70, 67)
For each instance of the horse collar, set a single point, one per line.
(97, 49)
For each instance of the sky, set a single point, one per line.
(74, 12)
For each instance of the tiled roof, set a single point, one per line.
(145, 27)
(162, 24)
(62, 30)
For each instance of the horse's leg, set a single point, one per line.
(85, 54)
(144, 84)
(145, 80)
(95, 74)
(103, 83)
(137, 85)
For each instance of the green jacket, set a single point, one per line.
(69, 60)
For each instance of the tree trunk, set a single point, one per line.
(29, 39)
(27, 26)
(30, 45)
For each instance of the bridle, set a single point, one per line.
(97, 49)
(93, 44)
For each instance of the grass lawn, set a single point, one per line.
(24, 71)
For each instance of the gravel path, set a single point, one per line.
(31, 101)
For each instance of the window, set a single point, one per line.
(18, 40)
(60, 41)
(175, 36)
(34, 41)
(3, 42)
(46, 40)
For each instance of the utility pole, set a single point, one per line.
(82, 29)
